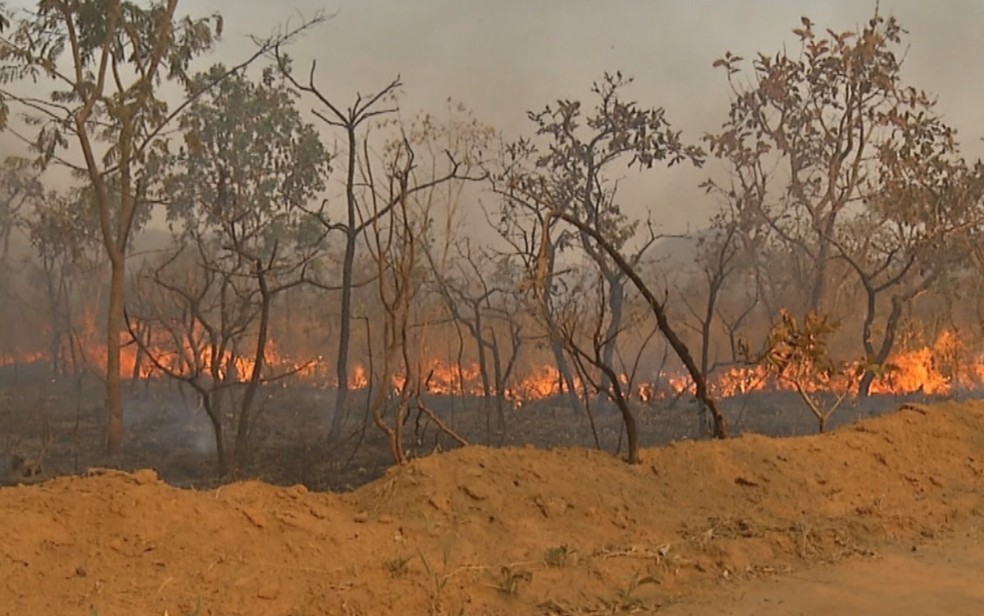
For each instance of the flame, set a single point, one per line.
(941, 367)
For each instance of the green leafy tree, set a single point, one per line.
(236, 196)
(104, 63)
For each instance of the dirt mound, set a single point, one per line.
(495, 531)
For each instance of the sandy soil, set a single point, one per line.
(943, 578)
(753, 525)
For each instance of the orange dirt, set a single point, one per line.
(698, 528)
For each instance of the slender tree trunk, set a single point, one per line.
(705, 344)
(821, 265)
(499, 382)
(888, 342)
(245, 412)
(114, 325)
(215, 416)
(348, 264)
(344, 341)
(662, 320)
(565, 380)
(616, 300)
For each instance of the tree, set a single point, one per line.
(20, 193)
(65, 238)
(917, 229)
(235, 195)
(798, 355)
(351, 121)
(845, 164)
(403, 192)
(565, 185)
(19, 187)
(724, 250)
(363, 206)
(105, 62)
(478, 300)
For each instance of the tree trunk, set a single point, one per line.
(888, 342)
(663, 321)
(565, 379)
(344, 340)
(214, 412)
(616, 301)
(114, 325)
(348, 264)
(245, 426)
(705, 343)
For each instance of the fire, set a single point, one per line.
(9, 359)
(941, 368)
(542, 384)
(359, 379)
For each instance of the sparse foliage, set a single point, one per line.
(851, 170)
(798, 354)
(565, 187)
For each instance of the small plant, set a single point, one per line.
(798, 355)
(625, 600)
(557, 556)
(438, 580)
(510, 579)
(398, 567)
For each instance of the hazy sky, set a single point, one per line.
(503, 57)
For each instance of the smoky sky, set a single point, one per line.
(504, 57)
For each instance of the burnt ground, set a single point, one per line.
(62, 422)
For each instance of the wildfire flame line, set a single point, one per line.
(939, 369)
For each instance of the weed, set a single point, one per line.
(438, 581)
(398, 567)
(625, 601)
(557, 556)
(510, 579)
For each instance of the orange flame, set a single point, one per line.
(940, 368)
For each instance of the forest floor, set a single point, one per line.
(885, 515)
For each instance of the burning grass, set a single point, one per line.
(942, 368)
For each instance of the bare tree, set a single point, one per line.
(351, 121)
(721, 254)
(395, 242)
(362, 205)
(475, 300)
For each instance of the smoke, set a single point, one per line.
(169, 420)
